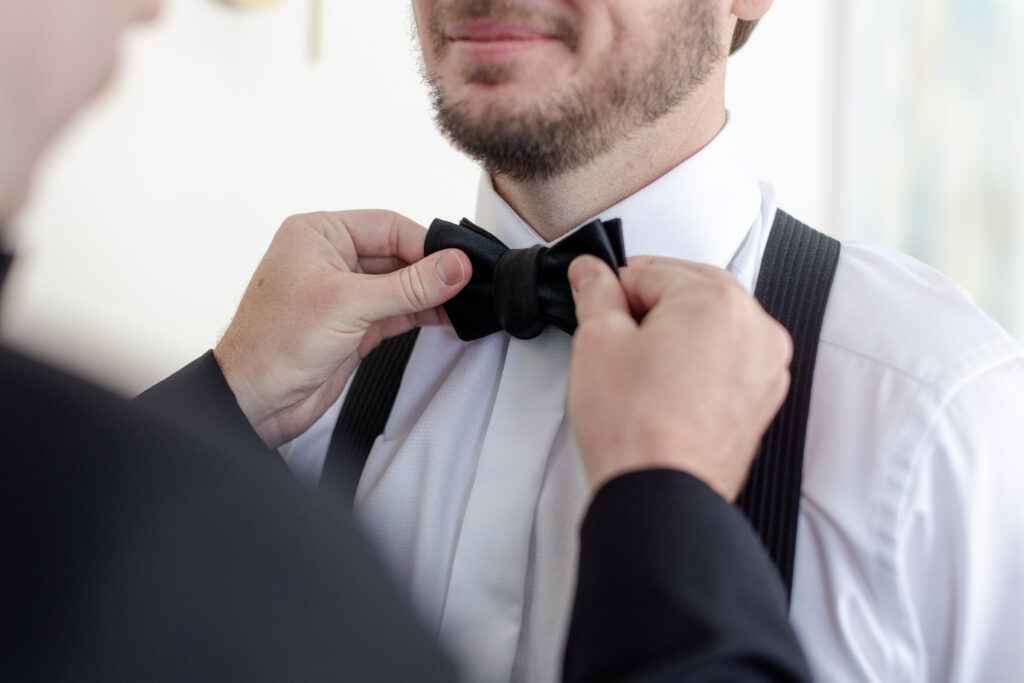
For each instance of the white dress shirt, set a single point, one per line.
(911, 535)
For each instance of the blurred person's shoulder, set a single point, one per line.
(50, 412)
(888, 309)
(82, 462)
(125, 530)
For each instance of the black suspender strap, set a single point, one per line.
(364, 413)
(793, 285)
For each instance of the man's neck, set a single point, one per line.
(554, 206)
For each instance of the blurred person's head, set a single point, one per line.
(55, 55)
(536, 88)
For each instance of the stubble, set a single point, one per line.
(570, 128)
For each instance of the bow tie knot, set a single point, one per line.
(519, 290)
(516, 300)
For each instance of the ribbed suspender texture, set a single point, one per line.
(364, 414)
(793, 285)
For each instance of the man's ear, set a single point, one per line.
(750, 10)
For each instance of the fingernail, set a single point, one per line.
(449, 269)
(583, 270)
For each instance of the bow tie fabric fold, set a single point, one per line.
(520, 290)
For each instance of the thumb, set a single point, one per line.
(597, 292)
(426, 284)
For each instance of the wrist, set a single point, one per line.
(616, 455)
(244, 386)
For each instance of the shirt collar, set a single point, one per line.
(702, 210)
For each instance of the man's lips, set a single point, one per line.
(483, 39)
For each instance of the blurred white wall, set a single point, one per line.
(152, 213)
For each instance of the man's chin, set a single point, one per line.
(490, 110)
(486, 91)
(492, 75)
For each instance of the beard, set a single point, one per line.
(574, 126)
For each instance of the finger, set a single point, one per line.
(431, 318)
(647, 260)
(597, 292)
(784, 343)
(424, 285)
(392, 327)
(378, 265)
(377, 233)
(647, 286)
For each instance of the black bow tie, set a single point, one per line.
(519, 290)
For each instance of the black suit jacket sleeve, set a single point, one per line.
(675, 585)
(199, 394)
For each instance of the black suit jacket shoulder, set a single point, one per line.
(139, 549)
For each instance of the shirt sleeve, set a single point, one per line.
(960, 535)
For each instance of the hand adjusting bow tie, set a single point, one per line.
(520, 290)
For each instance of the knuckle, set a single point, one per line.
(779, 342)
(296, 223)
(413, 286)
(288, 226)
(781, 388)
(295, 220)
(729, 292)
(394, 231)
(599, 326)
(784, 381)
(726, 300)
(785, 345)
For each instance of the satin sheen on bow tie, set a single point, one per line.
(519, 290)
